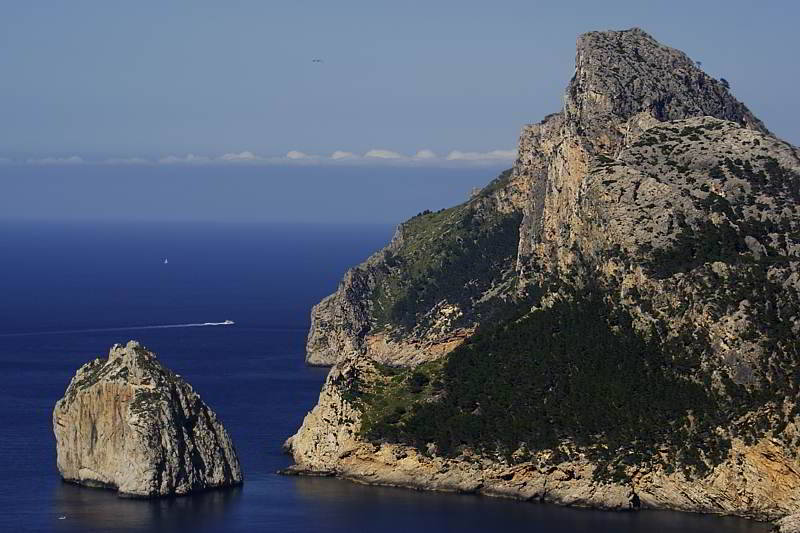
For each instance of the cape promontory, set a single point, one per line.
(611, 323)
(128, 423)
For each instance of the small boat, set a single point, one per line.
(228, 323)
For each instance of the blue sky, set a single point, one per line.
(164, 79)
(200, 110)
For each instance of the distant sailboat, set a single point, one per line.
(166, 261)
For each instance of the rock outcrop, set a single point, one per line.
(342, 320)
(627, 336)
(130, 424)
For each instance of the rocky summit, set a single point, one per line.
(611, 323)
(130, 424)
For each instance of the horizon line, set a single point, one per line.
(373, 157)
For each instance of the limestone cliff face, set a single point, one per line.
(130, 424)
(655, 201)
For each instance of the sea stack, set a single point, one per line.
(130, 424)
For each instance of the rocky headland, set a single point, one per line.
(611, 323)
(128, 423)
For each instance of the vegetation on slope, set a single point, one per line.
(578, 375)
(575, 375)
(455, 255)
(706, 241)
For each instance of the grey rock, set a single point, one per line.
(619, 74)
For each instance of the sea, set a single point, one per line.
(69, 290)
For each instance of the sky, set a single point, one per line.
(427, 86)
(314, 194)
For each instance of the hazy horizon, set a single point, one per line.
(207, 111)
(346, 195)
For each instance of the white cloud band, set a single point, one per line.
(376, 156)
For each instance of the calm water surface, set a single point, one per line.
(77, 277)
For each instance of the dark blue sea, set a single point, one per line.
(66, 288)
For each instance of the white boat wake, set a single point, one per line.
(127, 328)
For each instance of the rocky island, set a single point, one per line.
(611, 323)
(128, 423)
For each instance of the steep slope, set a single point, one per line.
(640, 349)
(426, 291)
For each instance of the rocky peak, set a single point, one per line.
(127, 354)
(621, 74)
(137, 363)
(625, 83)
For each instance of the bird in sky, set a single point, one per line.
(316, 61)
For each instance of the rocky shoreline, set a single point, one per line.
(754, 483)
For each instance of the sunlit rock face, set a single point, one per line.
(128, 423)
